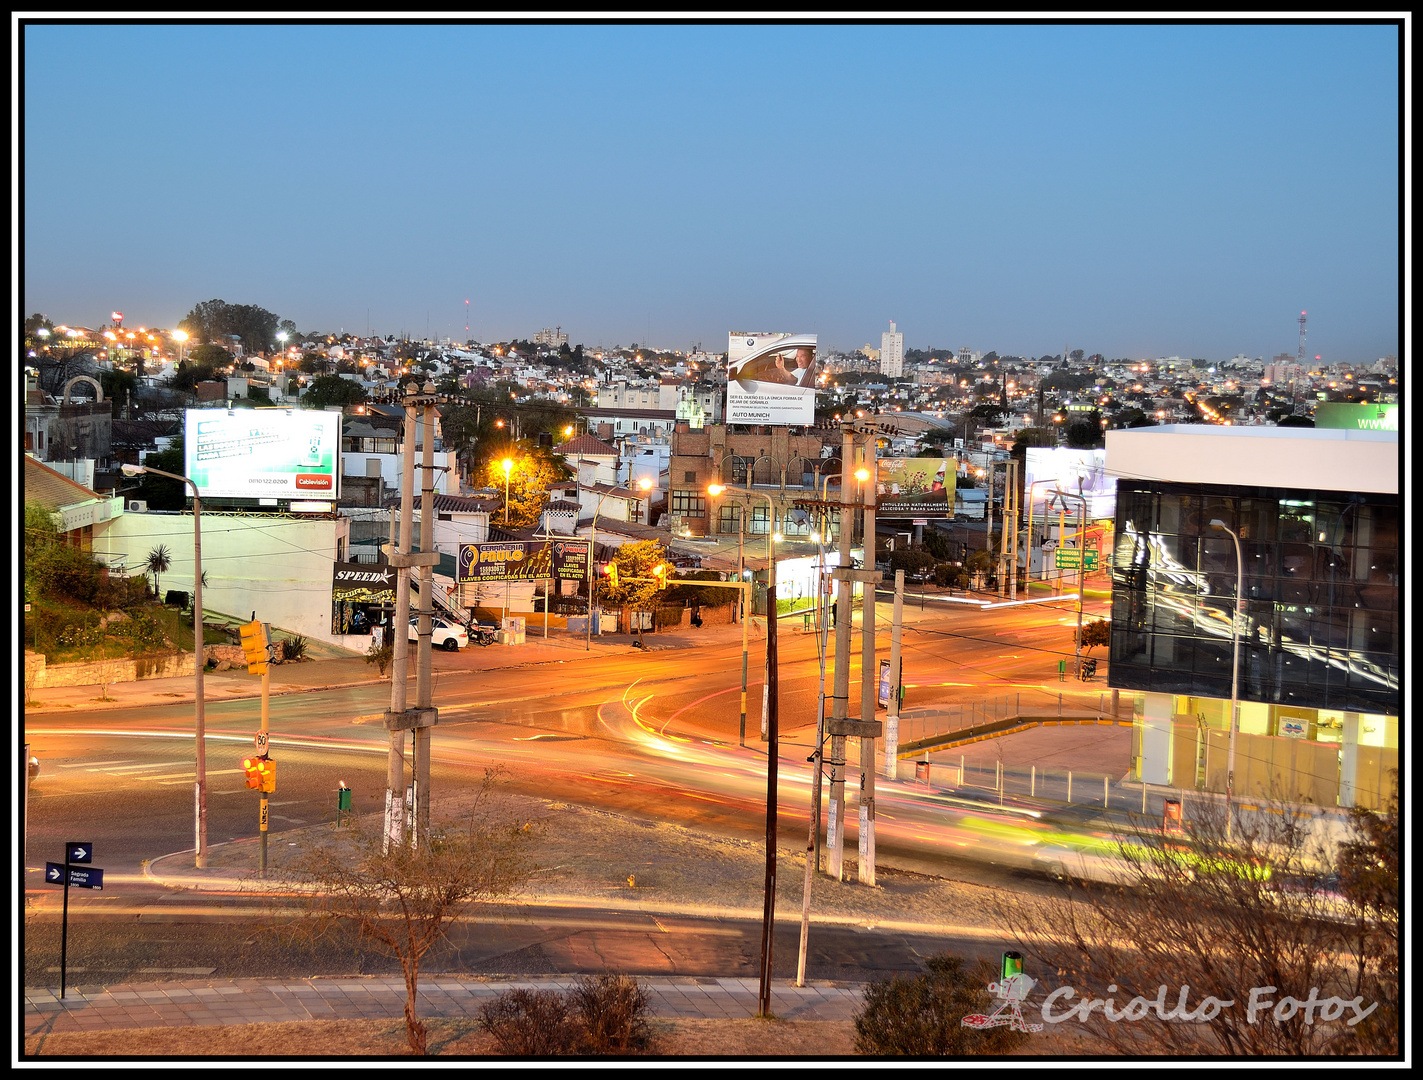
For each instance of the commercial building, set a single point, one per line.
(891, 352)
(1317, 516)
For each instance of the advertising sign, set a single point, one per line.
(355, 588)
(262, 453)
(524, 560)
(770, 378)
(1355, 417)
(916, 487)
(1077, 472)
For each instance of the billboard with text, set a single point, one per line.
(770, 378)
(1077, 472)
(916, 487)
(262, 453)
(523, 560)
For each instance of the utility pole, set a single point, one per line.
(868, 673)
(891, 723)
(399, 719)
(839, 698)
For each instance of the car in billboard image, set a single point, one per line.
(443, 635)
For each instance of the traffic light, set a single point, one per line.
(610, 571)
(662, 572)
(266, 775)
(254, 646)
(252, 767)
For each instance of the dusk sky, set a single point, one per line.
(1139, 191)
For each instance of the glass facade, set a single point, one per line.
(1322, 591)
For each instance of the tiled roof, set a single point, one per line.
(52, 489)
(588, 445)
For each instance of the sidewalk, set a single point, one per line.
(209, 1002)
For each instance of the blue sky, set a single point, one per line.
(1136, 190)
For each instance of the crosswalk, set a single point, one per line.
(146, 771)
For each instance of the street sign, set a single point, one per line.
(261, 741)
(1067, 558)
(54, 873)
(884, 684)
(86, 877)
(81, 852)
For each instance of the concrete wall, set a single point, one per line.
(279, 567)
(38, 674)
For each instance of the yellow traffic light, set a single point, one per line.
(254, 646)
(267, 774)
(253, 768)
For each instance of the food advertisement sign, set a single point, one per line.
(523, 560)
(916, 487)
(262, 453)
(1077, 472)
(770, 378)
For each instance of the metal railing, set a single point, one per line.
(918, 725)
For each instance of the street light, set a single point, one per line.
(201, 810)
(1081, 575)
(508, 464)
(180, 336)
(714, 490)
(1235, 622)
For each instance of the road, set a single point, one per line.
(652, 736)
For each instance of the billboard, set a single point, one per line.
(356, 589)
(523, 560)
(916, 487)
(1077, 472)
(770, 378)
(262, 453)
(1354, 417)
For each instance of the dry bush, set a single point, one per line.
(614, 1013)
(530, 1023)
(1240, 903)
(921, 1016)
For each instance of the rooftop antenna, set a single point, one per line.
(1299, 361)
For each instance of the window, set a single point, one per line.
(760, 521)
(738, 470)
(690, 476)
(689, 502)
(728, 518)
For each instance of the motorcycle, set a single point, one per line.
(1089, 669)
(481, 635)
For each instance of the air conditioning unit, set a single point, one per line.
(138, 506)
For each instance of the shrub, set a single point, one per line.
(294, 648)
(613, 1009)
(921, 1016)
(530, 1023)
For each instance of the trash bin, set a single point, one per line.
(1171, 818)
(921, 771)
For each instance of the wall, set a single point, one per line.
(279, 567)
(109, 671)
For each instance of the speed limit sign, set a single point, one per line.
(261, 741)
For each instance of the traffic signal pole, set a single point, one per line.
(263, 744)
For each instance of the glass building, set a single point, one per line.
(1321, 576)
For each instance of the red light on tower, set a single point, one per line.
(118, 317)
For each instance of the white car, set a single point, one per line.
(443, 635)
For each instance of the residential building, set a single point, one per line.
(554, 339)
(891, 353)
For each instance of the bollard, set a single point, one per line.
(1034, 789)
(1104, 793)
(998, 777)
(1143, 798)
(960, 770)
(1069, 787)
(1059, 703)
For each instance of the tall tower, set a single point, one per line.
(1299, 362)
(1300, 355)
(891, 357)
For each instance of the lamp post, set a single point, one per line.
(1032, 485)
(508, 464)
(646, 484)
(747, 494)
(200, 815)
(1237, 617)
(180, 336)
(1081, 577)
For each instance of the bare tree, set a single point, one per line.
(401, 900)
(1247, 915)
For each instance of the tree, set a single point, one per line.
(254, 326)
(399, 899)
(159, 560)
(158, 491)
(1095, 633)
(1368, 877)
(535, 469)
(636, 560)
(1086, 432)
(332, 390)
(1238, 909)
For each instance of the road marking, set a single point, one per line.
(83, 764)
(139, 768)
(185, 778)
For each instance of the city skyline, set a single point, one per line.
(1139, 191)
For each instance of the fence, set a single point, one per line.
(926, 725)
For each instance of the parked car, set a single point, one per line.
(443, 634)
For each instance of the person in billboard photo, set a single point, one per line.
(780, 368)
(804, 372)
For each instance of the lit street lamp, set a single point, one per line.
(508, 468)
(201, 810)
(180, 336)
(1237, 618)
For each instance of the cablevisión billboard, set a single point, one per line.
(770, 378)
(262, 453)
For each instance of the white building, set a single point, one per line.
(891, 353)
(554, 338)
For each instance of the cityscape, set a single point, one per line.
(807, 671)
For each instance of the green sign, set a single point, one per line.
(1067, 558)
(1354, 417)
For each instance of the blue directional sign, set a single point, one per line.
(86, 877)
(54, 873)
(79, 851)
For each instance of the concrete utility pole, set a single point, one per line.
(399, 719)
(869, 674)
(839, 698)
(424, 679)
(891, 723)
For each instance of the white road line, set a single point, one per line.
(185, 778)
(140, 768)
(84, 764)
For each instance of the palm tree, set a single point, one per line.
(158, 563)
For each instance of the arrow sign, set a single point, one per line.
(54, 873)
(89, 877)
(81, 852)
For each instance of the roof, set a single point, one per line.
(450, 504)
(562, 506)
(587, 446)
(52, 489)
